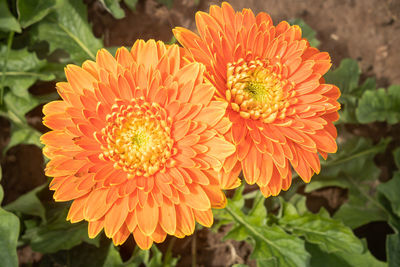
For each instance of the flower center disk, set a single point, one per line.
(255, 91)
(138, 138)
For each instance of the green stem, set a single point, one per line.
(333, 163)
(366, 195)
(9, 43)
(250, 228)
(76, 39)
(168, 253)
(21, 73)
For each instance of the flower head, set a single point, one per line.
(137, 143)
(281, 110)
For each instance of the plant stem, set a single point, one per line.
(9, 43)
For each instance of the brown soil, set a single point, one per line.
(368, 31)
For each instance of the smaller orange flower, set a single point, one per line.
(281, 110)
(137, 144)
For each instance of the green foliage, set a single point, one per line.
(346, 77)
(23, 69)
(393, 250)
(83, 255)
(138, 257)
(67, 29)
(341, 258)
(380, 105)
(292, 237)
(112, 6)
(329, 234)
(7, 21)
(353, 168)
(131, 3)
(15, 107)
(29, 203)
(57, 234)
(32, 11)
(389, 198)
(272, 245)
(9, 231)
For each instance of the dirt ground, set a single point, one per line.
(366, 30)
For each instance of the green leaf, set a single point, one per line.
(83, 255)
(26, 135)
(9, 231)
(396, 155)
(341, 258)
(391, 190)
(346, 77)
(353, 168)
(113, 258)
(272, 245)
(58, 234)
(379, 105)
(29, 203)
(113, 7)
(131, 3)
(393, 250)
(32, 11)
(7, 20)
(23, 69)
(329, 234)
(307, 32)
(15, 109)
(67, 29)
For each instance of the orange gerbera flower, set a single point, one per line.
(137, 144)
(280, 107)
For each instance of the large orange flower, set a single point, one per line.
(137, 144)
(280, 107)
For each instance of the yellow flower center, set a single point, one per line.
(138, 137)
(255, 91)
